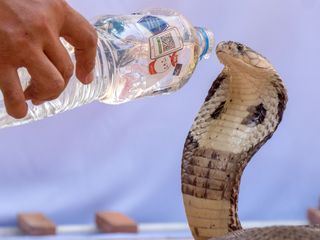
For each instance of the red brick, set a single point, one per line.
(115, 222)
(36, 224)
(314, 216)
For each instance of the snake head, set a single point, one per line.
(235, 54)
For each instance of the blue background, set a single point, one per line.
(127, 157)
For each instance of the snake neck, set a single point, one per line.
(239, 115)
(210, 192)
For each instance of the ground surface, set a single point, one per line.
(146, 232)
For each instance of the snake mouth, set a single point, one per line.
(231, 48)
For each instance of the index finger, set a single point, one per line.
(81, 34)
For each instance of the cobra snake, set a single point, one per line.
(243, 109)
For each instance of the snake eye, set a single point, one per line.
(240, 47)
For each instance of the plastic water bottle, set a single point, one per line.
(142, 54)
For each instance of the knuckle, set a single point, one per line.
(51, 90)
(14, 45)
(23, 41)
(40, 23)
(35, 92)
(68, 71)
(59, 5)
(91, 39)
(18, 37)
(57, 87)
(62, 3)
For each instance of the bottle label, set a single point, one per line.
(177, 70)
(165, 43)
(153, 24)
(163, 64)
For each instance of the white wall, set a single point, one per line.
(127, 157)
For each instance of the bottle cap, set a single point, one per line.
(206, 41)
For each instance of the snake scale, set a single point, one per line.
(243, 109)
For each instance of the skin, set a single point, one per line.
(29, 37)
(243, 109)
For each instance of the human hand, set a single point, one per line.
(29, 37)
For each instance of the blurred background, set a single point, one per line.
(127, 157)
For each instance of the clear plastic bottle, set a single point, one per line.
(142, 54)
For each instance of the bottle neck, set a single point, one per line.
(206, 42)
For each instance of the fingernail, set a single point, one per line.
(37, 102)
(89, 77)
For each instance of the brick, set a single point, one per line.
(36, 224)
(115, 222)
(314, 216)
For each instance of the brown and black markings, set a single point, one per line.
(256, 115)
(214, 175)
